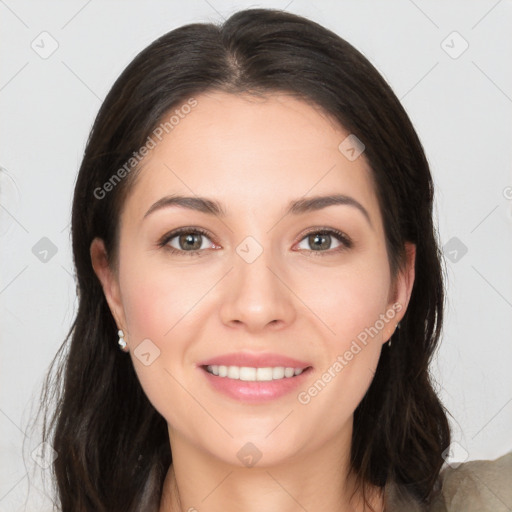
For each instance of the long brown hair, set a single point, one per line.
(113, 446)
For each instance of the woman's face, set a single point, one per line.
(264, 284)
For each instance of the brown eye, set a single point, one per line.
(190, 241)
(186, 241)
(322, 241)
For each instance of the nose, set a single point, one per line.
(257, 296)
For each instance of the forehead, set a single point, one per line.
(252, 152)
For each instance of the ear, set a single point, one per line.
(109, 281)
(401, 293)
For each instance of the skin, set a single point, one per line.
(254, 155)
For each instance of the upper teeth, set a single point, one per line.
(253, 374)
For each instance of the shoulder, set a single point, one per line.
(479, 485)
(474, 486)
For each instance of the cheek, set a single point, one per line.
(348, 300)
(352, 302)
(155, 313)
(163, 304)
(156, 300)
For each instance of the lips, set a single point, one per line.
(247, 377)
(255, 361)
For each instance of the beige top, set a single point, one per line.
(474, 486)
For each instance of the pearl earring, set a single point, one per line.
(122, 342)
(396, 327)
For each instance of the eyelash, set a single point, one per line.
(341, 237)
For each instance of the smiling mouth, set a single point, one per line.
(250, 374)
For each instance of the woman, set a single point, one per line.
(252, 227)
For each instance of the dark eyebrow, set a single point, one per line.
(200, 204)
(319, 202)
(300, 206)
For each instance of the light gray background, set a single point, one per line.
(461, 108)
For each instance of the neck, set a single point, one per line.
(319, 481)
